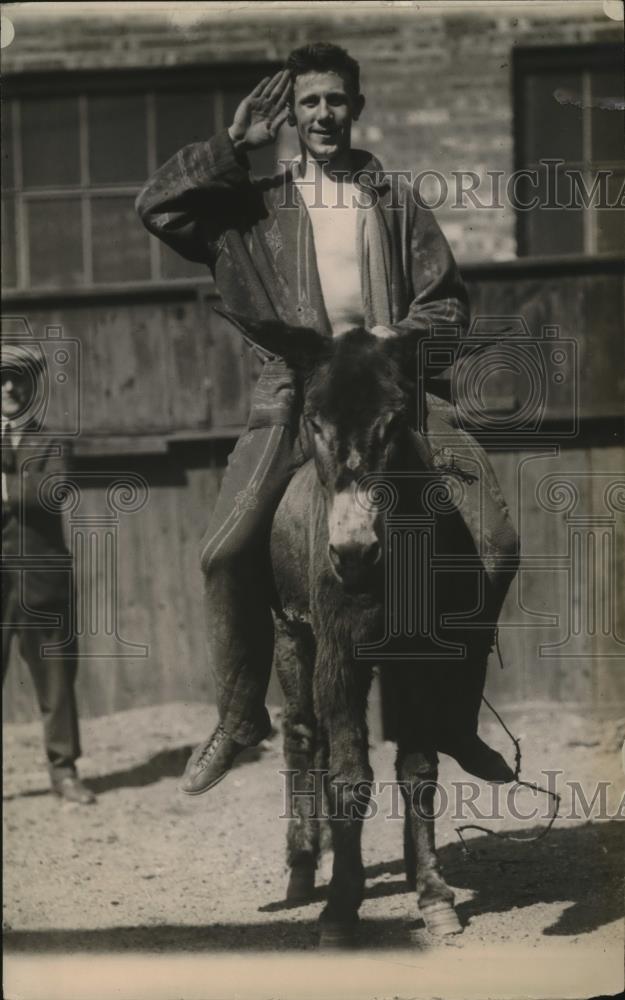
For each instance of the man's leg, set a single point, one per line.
(482, 507)
(54, 679)
(10, 603)
(7, 637)
(237, 594)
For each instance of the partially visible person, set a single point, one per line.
(32, 536)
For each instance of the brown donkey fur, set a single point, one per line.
(328, 553)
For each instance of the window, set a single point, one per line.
(569, 107)
(76, 150)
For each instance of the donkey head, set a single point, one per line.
(357, 412)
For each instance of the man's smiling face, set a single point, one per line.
(324, 107)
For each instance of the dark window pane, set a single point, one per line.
(553, 116)
(50, 142)
(7, 144)
(117, 139)
(182, 118)
(55, 242)
(175, 266)
(120, 243)
(9, 246)
(610, 222)
(607, 116)
(551, 230)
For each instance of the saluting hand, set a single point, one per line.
(262, 113)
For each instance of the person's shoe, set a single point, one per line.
(71, 788)
(210, 762)
(477, 758)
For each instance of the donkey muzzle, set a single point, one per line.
(354, 564)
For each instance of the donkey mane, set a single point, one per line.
(358, 380)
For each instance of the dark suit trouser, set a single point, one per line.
(53, 678)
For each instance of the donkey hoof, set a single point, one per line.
(301, 887)
(441, 919)
(333, 935)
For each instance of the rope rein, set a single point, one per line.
(517, 780)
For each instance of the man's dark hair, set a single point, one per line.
(323, 57)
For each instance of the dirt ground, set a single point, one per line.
(149, 870)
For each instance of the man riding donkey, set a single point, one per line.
(305, 250)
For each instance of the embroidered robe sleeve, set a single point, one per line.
(195, 196)
(439, 295)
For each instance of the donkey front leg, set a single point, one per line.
(305, 804)
(304, 788)
(417, 772)
(348, 789)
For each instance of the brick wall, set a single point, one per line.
(437, 82)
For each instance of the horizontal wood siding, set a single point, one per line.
(588, 309)
(160, 591)
(170, 382)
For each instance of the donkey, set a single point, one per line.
(328, 555)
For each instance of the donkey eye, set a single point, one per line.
(315, 426)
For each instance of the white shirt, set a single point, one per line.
(16, 437)
(333, 211)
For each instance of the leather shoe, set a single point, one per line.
(477, 758)
(210, 762)
(71, 788)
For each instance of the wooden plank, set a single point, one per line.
(150, 366)
(229, 367)
(586, 309)
(129, 348)
(609, 673)
(189, 366)
(601, 336)
(161, 593)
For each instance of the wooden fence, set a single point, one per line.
(164, 393)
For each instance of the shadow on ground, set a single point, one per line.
(281, 935)
(578, 865)
(164, 764)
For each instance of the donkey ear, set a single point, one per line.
(404, 351)
(300, 347)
